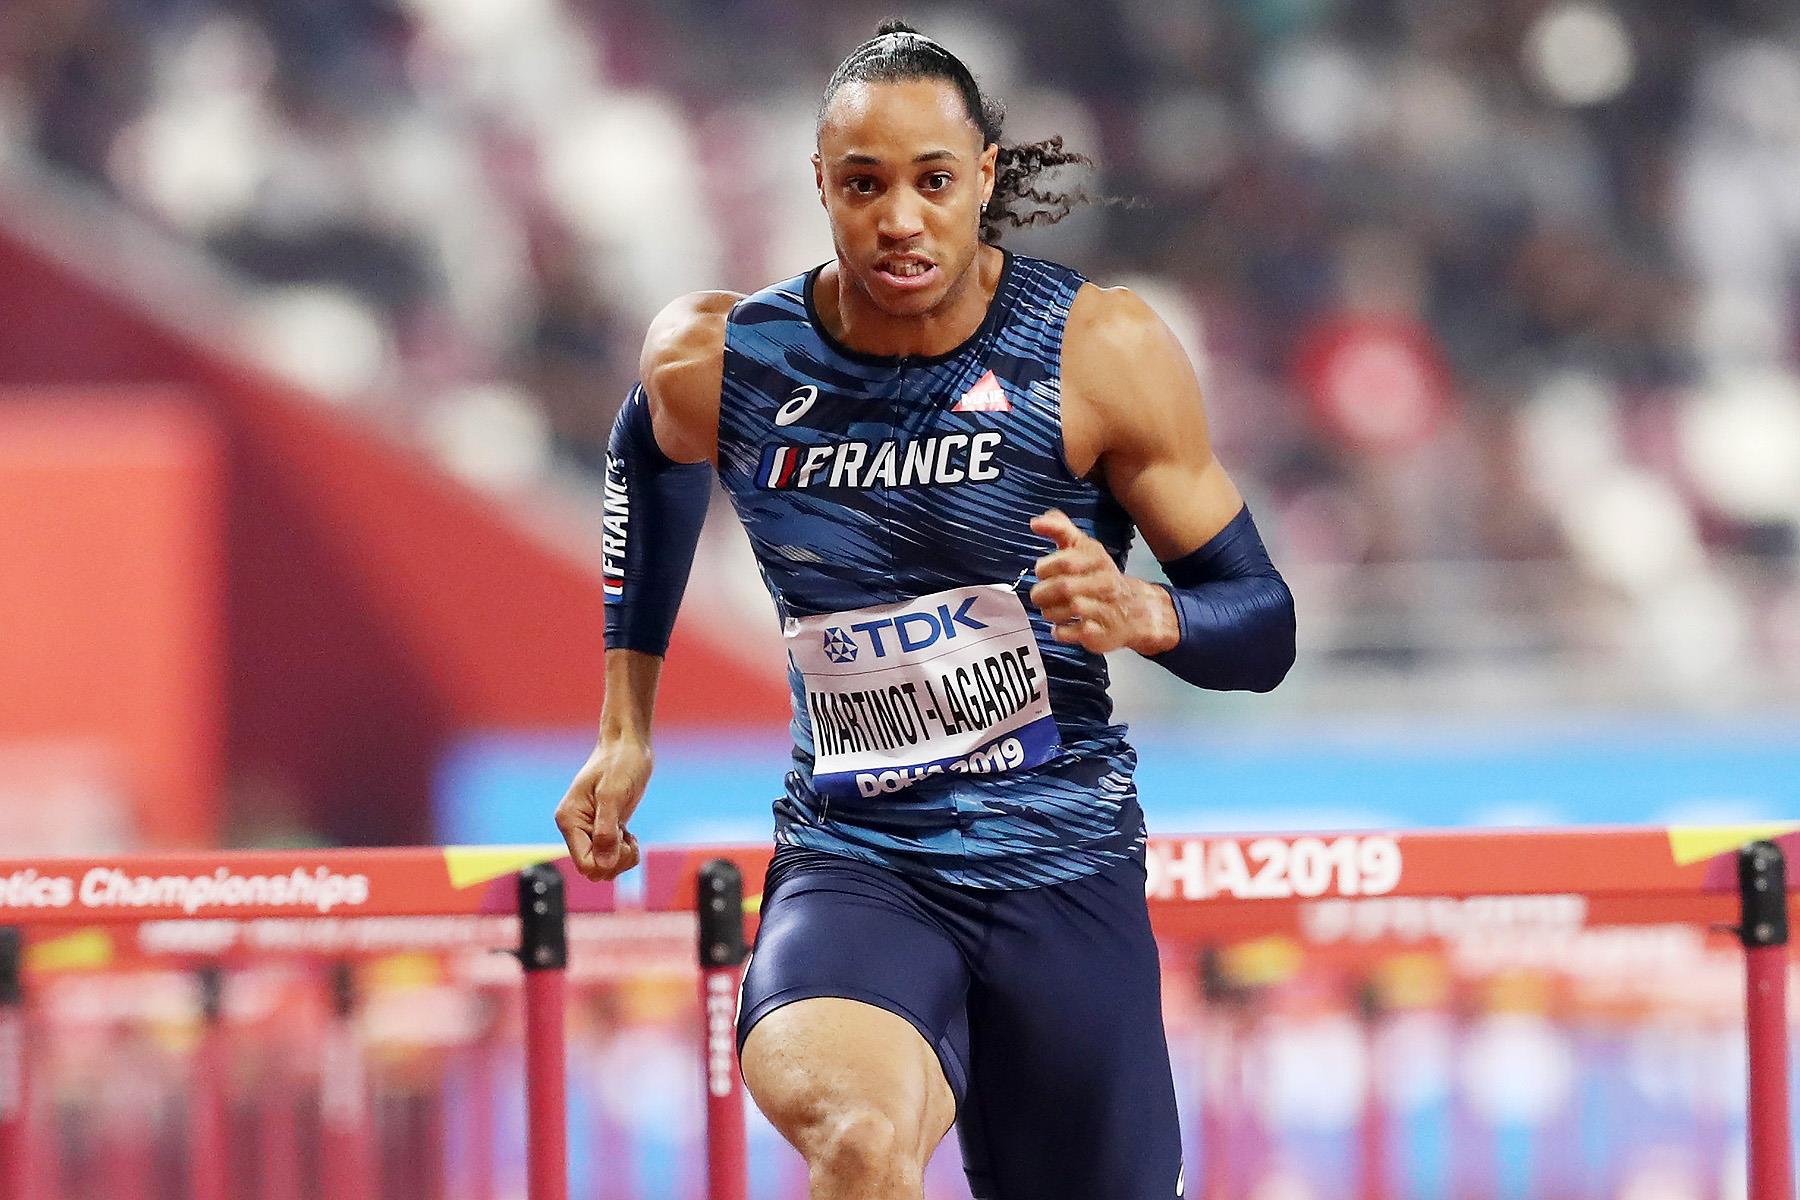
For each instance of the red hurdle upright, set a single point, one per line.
(722, 953)
(1374, 1171)
(482, 1117)
(347, 1161)
(544, 951)
(14, 1084)
(1763, 929)
(209, 1146)
(278, 1134)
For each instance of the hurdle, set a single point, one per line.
(1214, 887)
(240, 890)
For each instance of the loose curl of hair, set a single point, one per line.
(1020, 198)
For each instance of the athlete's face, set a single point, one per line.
(903, 175)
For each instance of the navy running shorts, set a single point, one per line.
(1044, 1006)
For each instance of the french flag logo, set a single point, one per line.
(779, 465)
(986, 396)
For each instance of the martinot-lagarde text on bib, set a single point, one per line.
(948, 682)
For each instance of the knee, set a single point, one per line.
(860, 1146)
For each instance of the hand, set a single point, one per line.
(594, 811)
(1090, 603)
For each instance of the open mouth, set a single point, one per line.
(906, 272)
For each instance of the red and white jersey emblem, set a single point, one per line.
(986, 396)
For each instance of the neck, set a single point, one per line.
(853, 319)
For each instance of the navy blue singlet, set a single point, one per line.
(938, 727)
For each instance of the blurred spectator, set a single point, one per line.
(1503, 281)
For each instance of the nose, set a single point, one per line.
(902, 217)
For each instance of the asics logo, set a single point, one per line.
(796, 405)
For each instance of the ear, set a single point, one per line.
(819, 177)
(990, 159)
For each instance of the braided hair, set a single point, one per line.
(899, 52)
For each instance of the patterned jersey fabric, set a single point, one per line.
(867, 481)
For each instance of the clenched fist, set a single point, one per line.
(594, 811)
(1090, 603)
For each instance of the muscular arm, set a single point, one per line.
(1132, 409)
(682, 365)
(667, 429)
(1132, 416)
(659, 474)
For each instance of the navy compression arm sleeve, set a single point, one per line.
(1235, 613)
(654, 510)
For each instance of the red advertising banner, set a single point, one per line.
(1654, 873)
(408, 881)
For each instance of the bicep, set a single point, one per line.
(1158, 458)
(1178, 502)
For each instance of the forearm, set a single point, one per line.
(1233, 615)
(654, 508)
(629, 707)
(594, 812)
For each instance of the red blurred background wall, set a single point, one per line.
(110, 587)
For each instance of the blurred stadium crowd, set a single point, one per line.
(1496, 304)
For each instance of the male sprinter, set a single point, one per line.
(954, 925)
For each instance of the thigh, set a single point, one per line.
(824, 1066)
(853, 1000)
(1070, 1093)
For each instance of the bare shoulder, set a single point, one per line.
(1113, 330)
(1127, 381)
(687, 337)
(682, 366)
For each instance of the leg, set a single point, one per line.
(852, 1027)
(1070, 1092)
(856, 1090)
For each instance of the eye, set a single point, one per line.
(937, 181)
(862, 185)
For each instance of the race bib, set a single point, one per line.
(951, 682)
